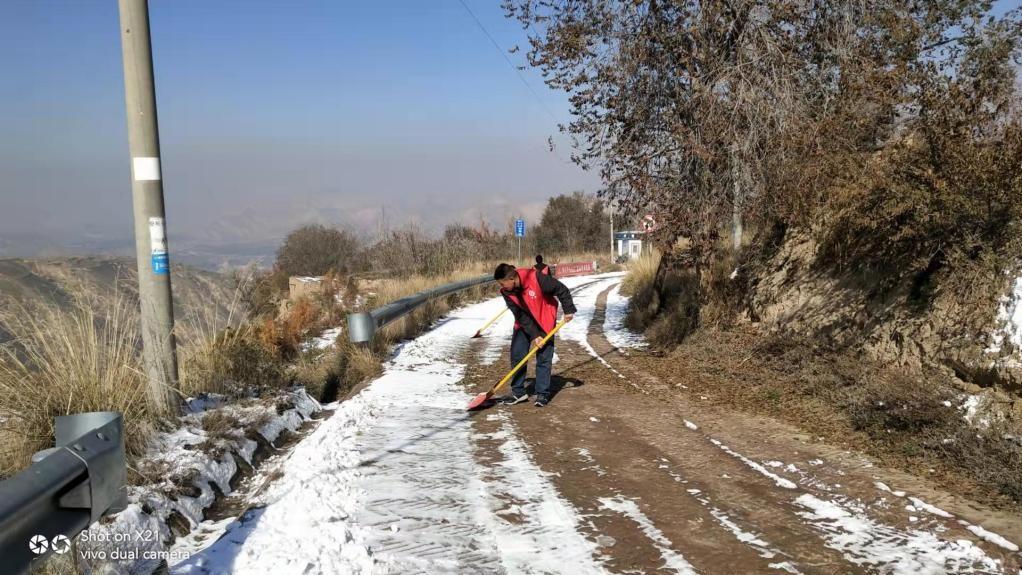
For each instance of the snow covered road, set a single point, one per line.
(391, 483)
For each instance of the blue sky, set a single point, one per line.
(272, 113)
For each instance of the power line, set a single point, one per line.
(508, 60)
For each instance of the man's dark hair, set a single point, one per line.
(504, 272)
(539, 260)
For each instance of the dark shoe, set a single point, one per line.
(511, 399)
(542, 401)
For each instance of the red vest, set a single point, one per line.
(542, 307)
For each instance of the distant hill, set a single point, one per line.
(197, 293)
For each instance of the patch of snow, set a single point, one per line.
(594, 420)
(326, 339)
(614, 322)
(972, 406)
(920, 504)
(780, 481)
(204, 402)
(179, 452)
(989, 536)
(864, 542)
(691, 425)
(673, 560)
(815, 462)
(1009, 319)
(588, 458)
(884, 487)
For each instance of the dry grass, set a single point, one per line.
(84, 358)
(641, 272)
(220, 354)
(363, 364)
(896, 416)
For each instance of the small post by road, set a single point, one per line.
(154, 290)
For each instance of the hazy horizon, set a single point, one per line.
(272, 115)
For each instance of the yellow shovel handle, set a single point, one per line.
(495, 318)
(525, 359)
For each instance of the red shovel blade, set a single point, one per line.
(478, 334)
(477, 401)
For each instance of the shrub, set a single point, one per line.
(314, 250)
(232, 361)
(79, 359)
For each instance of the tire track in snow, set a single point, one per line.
(577, 330)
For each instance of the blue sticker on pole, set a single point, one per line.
(519, 228)
(161, 264)
(158, 246)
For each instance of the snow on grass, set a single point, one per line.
(614, 323)
(672, 560)
(780, 481)
(392, 482)
(1009, 320)
(864, 542)
(691, 425)
(186, 460)
(325, 340)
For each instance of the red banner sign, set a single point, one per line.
(575, 269)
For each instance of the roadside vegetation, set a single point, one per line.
(838, 194)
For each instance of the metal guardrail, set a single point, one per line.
(65, 490)
(363, 326)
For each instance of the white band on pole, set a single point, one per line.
(146, 169)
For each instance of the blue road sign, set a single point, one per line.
(519, 228)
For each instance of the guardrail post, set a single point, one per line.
(361, 327)
(64, 491)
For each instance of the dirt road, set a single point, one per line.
(669, 483)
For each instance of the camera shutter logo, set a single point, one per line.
(60, 544)
(38, 544)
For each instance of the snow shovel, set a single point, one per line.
(487, 324)
(484, 397)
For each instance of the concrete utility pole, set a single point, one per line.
(160, 348)
(611, 236)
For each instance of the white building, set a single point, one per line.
(628, 244)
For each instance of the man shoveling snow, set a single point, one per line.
(532, 296)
